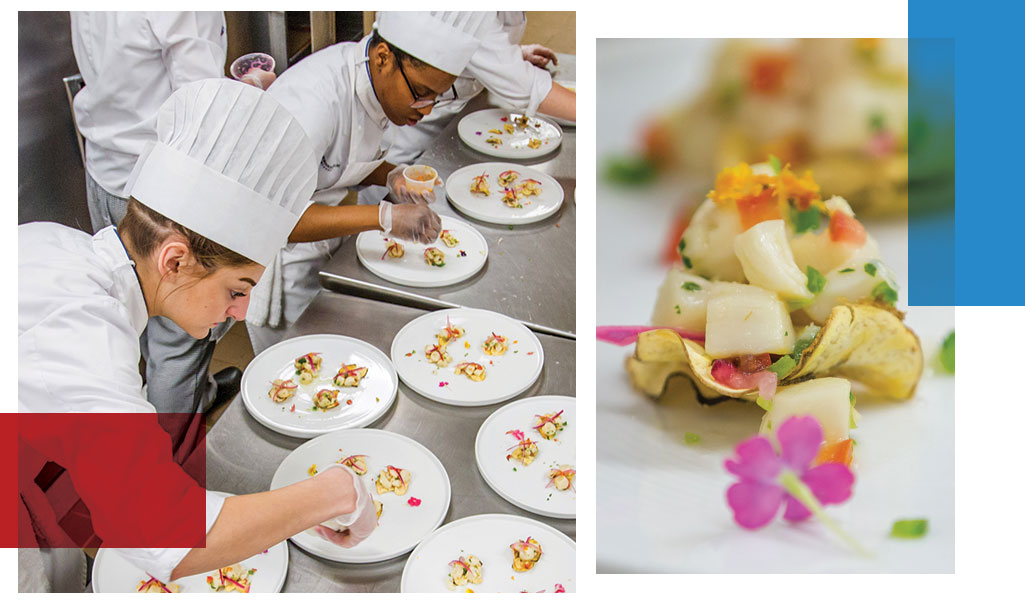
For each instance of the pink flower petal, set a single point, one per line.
(754, 504)
(799, 439)
(795, 511)
(757, 461)
(830, 482)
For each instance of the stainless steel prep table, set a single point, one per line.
(530, 274)
(242, 455)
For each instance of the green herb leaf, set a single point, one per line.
(877, 122)
(853, 399)
(947, 353)
(884, 293)
(764, 404)
(853, 418)
(806, 220)
(870, 268)
(691, 438)
(690, 286)
(910, 528)
(847, 270)
(783, 366)
(816, 280)
(807, 336)
(681, 246)
(774, 161)
(687, 263)
(677, 309)
(630, 170)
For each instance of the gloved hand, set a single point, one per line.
(538, 55)
(401, 192)
(413, 222)
(259, 78)
(351, 529)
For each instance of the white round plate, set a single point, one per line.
(505, 376)
(473, 130)
(370, 400)
(491, 208)
(488, 537)
(461, 262)
(112, 573)
(401, 526)
(526, 486)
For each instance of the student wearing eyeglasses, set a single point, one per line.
(345, 96)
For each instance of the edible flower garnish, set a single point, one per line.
(413, 501)
(769, 480)
(624, 335)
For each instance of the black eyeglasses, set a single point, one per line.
(424, 103)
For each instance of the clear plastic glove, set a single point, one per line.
(351, 529)
(259, 78)
(412, 222)
(400, 191)
(538, 55)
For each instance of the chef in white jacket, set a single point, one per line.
(131, 63)
(509, 71)
(346, 96)
(212, 201)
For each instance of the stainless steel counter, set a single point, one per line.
(530, 274)
(242, 455)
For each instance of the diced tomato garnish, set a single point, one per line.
(671, 252)
(837, 452)
(752, 363)
(754, 210)
(767, 72)
(846, 229)
(658, 146)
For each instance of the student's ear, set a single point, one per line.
(174, 258)
(379, 55)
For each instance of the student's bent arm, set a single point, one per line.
(560, 102)
(322, 222)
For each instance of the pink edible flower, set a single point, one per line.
(624, 335)
(768, 481)
(559, 589)
(413, 501)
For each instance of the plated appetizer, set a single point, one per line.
(437, 355)
(449, 239)
(465, 571)
(235, 578)
(549, 425)
(534, 143)
(495, 142)
(393, 479)
(507, 177)
(525, 449)
(509, 128)
(561, 477)
(356, 462)
(307, 367)
(528, 187)
(378, 507)
(350, 376)
(526, 553)
(498, 131)
(155, 586)
(510, 198)
(282, 389)
(394, 250)
(495, 345)
(450, 332)
(522, 121)
(434, 257)
(475, 371)
(325, 399)
(479, 185)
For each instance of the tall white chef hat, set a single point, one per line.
(440, 39)
(229, 163)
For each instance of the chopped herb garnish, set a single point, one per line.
(910, 528)
(853, 418)
(847, 270)
(884, 293)
(690, 286)
(877, 122)
(681, 246)
(687, 263)
(764, 404)
(806, 220)
(853, 399)
(677, 309)
(947, 353)
(510, 228)
(870, 268)
(774, 161)
(691, 438)
(630, 170)
(804, 340)
(816, 281)
(783, 366)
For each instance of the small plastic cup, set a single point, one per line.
(248, 62)
(420, 178)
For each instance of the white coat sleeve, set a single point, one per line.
(194, 45)
(499, 66)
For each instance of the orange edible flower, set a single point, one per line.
(803, 190)
(734, 183)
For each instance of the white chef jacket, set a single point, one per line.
(131, 62)
(80, 314)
